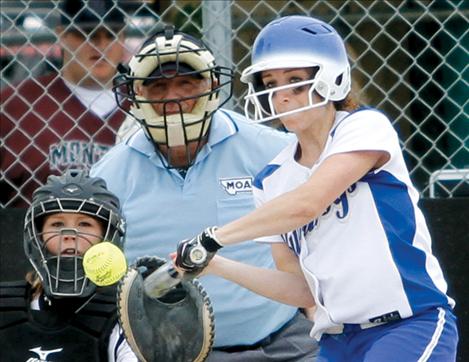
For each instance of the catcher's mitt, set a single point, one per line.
(178, 327)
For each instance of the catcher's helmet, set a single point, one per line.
(167, 54)
(296, 42)
(73, 192)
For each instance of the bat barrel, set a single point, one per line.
(161, 281)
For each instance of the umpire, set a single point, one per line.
(190, 164)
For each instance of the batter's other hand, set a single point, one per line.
(193, 255)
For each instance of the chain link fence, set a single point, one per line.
(409, 59)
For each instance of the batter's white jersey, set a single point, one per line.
(367, 258)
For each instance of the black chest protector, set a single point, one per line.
(60, 331)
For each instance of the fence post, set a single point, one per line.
(216, 24)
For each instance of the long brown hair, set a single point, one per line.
(349, 103)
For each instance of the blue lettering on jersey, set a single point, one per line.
(341, 208)
(80, 154)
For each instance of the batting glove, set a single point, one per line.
(193, 255)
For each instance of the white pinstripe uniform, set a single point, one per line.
(367, 258)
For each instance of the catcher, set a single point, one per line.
(59, 314)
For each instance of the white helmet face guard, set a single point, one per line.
(259, 105)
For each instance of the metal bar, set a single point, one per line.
(216, 24)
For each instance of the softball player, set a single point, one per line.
(58, 314)
(337, 204)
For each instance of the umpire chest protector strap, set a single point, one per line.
(55, 333)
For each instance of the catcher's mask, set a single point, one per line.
(168, 54)
(62, 275)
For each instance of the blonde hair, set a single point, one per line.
(36, 284)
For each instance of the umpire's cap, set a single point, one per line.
(91, 14)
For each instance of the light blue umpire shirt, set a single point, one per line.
(162, 208)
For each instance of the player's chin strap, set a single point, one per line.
(177, 327)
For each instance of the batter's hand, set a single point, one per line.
(193, 255)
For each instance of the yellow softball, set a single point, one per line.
(104, 264)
